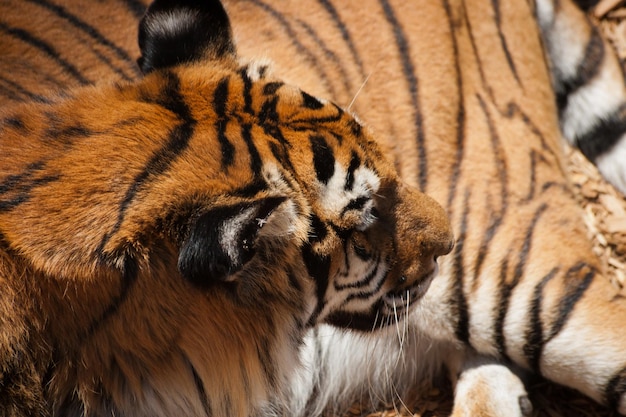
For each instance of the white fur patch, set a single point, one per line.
(281, 223)
(335, 198)
(230, 230)
(545, 13)
(289, 218)
(258, 69)
(341, 366)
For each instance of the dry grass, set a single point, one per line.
(605, 217)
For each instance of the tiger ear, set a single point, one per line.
(222, 240)
(175, 32)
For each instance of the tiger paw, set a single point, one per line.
(490, 390)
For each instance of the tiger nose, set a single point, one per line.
(423, 225)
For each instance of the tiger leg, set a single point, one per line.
(589, 82)
(565, 325)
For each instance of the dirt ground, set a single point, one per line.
(605, 217)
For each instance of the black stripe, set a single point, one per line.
(308, 56)
(495, 221)
(615, 389)
(363, 282)
(364, 295)
(128, 279)
(460, 114)
(269, 112)
(362, 321)
(270, 120)
(309, 123)
(13, 181)
(280, 154)
(94, 34)
(355, 162)
(505, 47)
(251, 189)
(264, 352)
(305, 124)
(535, 157)
(526, 246)
(136, 7)
(534, 334)
(255, 159)
(318, 230)
(310, 102)
(22, 91)
(247, 90)
(20, 186)
(263, 71)
(271, 88)
(513, 110)
(176, 143)
(109, 63)
(499, 156)
(360, 252)
(588, 69)
(318, 268)
(501, 308)
(345, 34)
(13, 123)
(355, 128)
(323, 158)
(495, 218)
(220, 99)
(331, 55)
(408, 70)
(462, 326)
(204, 399)
(356, 204)
(65, 134)
(576, 286)
(47, 49)
(586, 4)
(24, 192)
(46, 80)
(470, 31)
(606, 133)
(506, 288)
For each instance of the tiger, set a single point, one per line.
(265, 208)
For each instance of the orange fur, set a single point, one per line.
(460, 104)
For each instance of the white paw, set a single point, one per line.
(490, 390)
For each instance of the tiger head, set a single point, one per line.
(263, 191)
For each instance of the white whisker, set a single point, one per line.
(395, 315)
(359, 91)
(375, 321)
